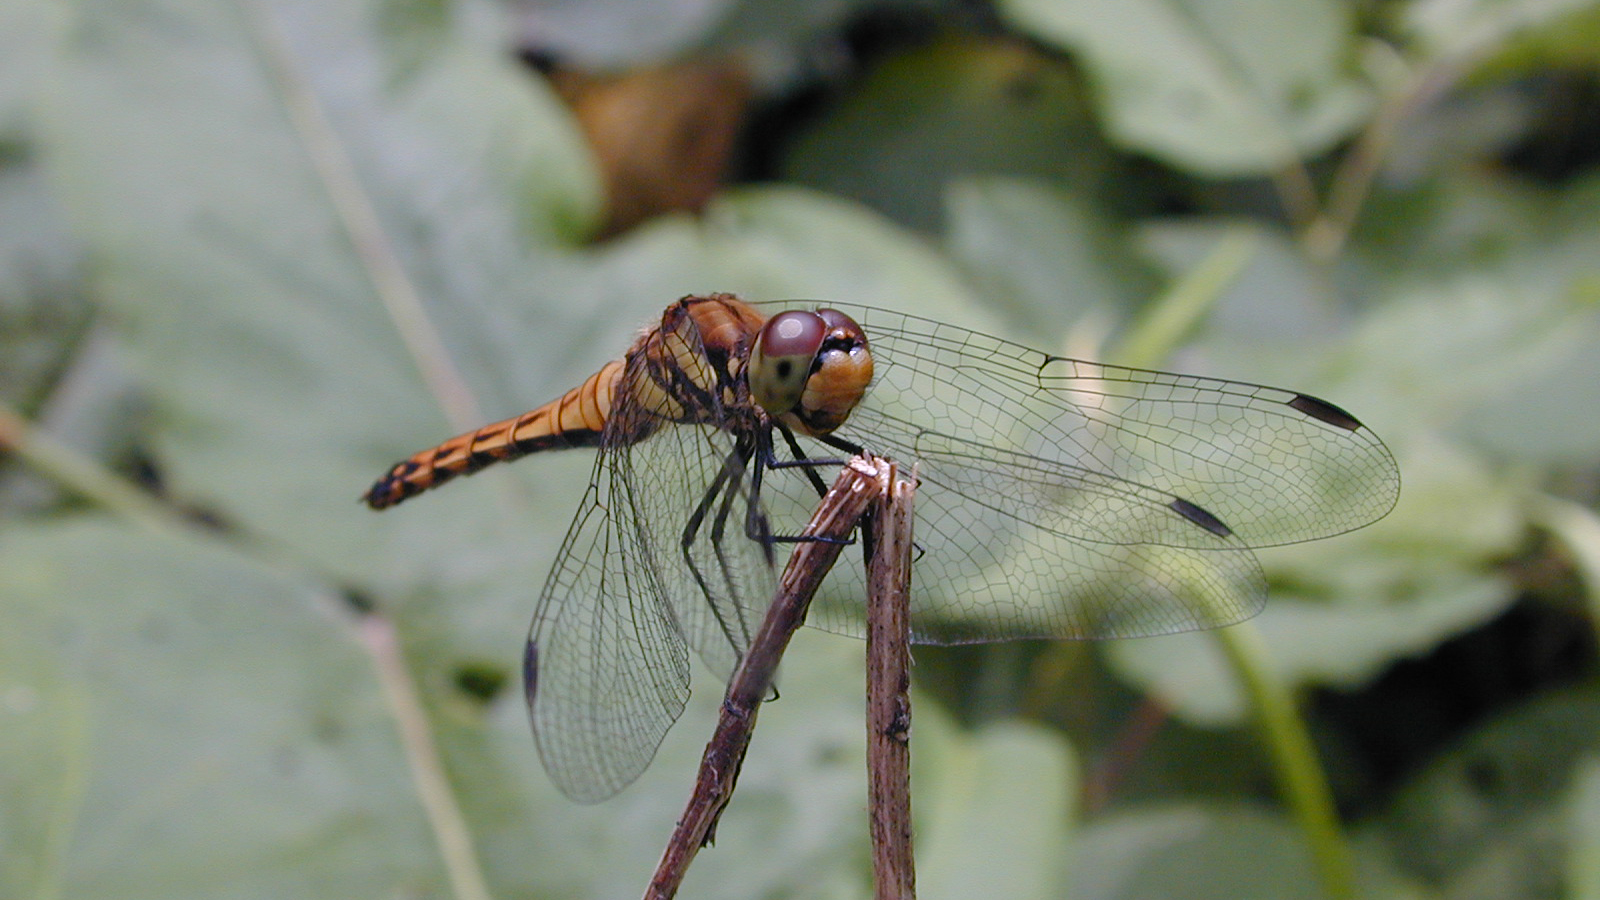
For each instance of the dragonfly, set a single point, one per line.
(1058, 498)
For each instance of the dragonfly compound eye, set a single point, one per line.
(839, 377)
(782, 357)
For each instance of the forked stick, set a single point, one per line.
(861, 480)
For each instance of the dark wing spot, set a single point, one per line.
(1324, 411)
(1200, 517)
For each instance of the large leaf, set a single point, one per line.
(957, 107)
(1583, 852)
(41, 305)
(42, 310)
(1344, 610)
(177, 718)
(1454, 31)
(1219, 88)
(1045, 255)
(613, 34)
(24, 47)
(993, 810)
(801, 790)
(1276, 305)
(787, 243)
(1206, 851)
(1497, 287)
(295, 211)
(797, 244)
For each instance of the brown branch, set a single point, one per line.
(862, 479)
(888, 692)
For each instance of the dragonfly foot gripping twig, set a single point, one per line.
(859, 481)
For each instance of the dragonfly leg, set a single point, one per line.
(756, 527)
(854, 449)
(725, 487)
(839, 443)
(737, 461)
(801, 460)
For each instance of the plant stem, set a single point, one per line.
(1164, 325)
(85, 477)
(357, 213)
(433, 786)
(1294, 759)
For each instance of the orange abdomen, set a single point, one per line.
(577, 419)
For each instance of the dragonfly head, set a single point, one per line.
(810, 368)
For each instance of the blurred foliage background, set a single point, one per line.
(252, 252)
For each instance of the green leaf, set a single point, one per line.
(1218, 88)
(1343, 610)
(1213, 850)
(796, 826)
(25, 29)
(802, 787)
(172, 714)
(176, 714)
(1451, 30)
(1520, 352)
(1043, 255)
(616, 34)
(1194, 852)
(993, 809)
(43, 315)
(787, 243)
(1275, 301)
(956, 107)
(42, 309)
(794, 243)
(266, 188)
(1492, 281)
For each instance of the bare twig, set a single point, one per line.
(888, 692)
(862, 479)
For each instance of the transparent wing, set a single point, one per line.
(656, 563)
(606, 670)
(1063, 498)
(1275, 466)
(998, 560)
